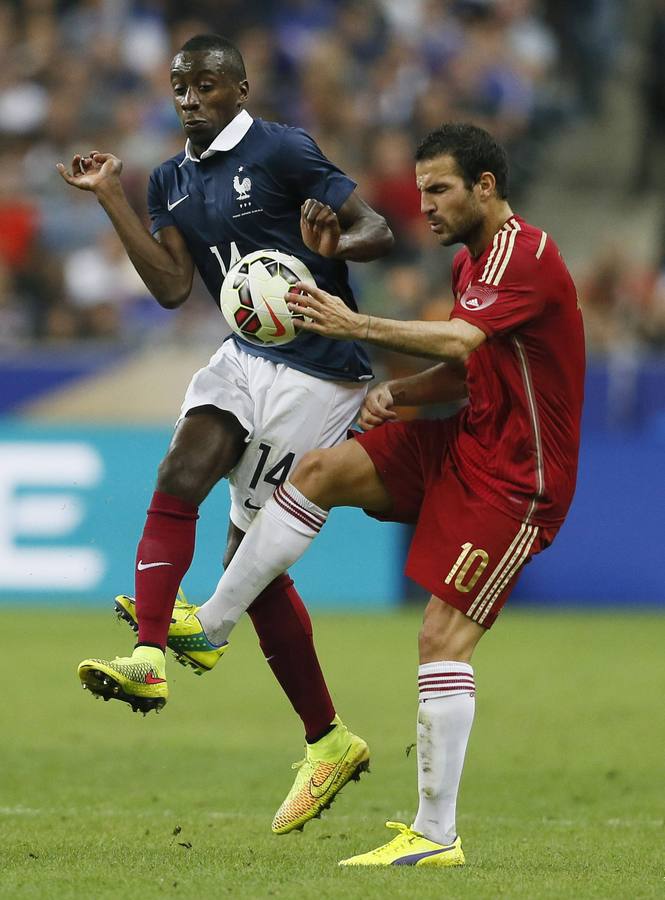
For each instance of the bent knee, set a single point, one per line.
(186, 478)
(433, 647)
(451, 639)
(313, 476)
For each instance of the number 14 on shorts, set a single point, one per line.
(467, 568)
(277, 473)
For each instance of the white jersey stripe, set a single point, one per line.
(503, 240)
(497, 571)
(519, 562)
(507, 254)
(495, 244)
(541, 245)
(501, 581)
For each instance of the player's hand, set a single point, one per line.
(326, 314)
(319, 227)
(91, 172)
(377, 407)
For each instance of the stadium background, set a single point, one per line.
(95, 802)
(93, 371)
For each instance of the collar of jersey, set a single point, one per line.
(227, 139)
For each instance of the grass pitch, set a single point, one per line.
(563, 794)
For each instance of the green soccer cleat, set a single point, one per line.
(329, 764)
(186, 637)
(410, 848)
(139, 679)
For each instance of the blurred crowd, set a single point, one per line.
(367, 78)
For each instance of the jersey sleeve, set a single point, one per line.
(158, 211)
(509, 293)
(309, 173)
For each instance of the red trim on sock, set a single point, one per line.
(167, 503)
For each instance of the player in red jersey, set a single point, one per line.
(487, 489)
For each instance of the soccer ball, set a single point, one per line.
(252, 296)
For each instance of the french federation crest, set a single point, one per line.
(242, 188)
(242, 185)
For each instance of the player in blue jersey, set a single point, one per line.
(241, 184)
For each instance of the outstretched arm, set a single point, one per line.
(328, 315)
(443, 383)
(165, 265)
(357, 233)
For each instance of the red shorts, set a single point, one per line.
(463, 551)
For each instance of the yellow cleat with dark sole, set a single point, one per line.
(410, 848)
(139, 679)
(186, 637)
(329, 764)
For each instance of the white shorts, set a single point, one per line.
(285, 412)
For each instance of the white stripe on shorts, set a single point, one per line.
(524, 538)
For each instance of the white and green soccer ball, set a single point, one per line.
(252, 296)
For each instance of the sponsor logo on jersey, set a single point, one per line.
(173, 205)
(478, 296)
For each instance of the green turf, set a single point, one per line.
(563, 794)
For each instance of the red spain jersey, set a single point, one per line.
(516, 442)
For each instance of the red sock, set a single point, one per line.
(163, 556)
(285, 634)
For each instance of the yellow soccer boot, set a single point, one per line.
(329, 764)
(410, 848)
(186, 637)
(139, 679)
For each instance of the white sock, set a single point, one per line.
(278, 536)
(446, 694)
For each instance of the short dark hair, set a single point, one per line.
(233, 61)
(474, 150)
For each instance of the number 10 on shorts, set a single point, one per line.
(463, 568)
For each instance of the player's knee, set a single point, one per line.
(312, 476)
(184, 478)
(433, 646)
(445, 635)
(430, 644)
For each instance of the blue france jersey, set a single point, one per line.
(248, 198)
